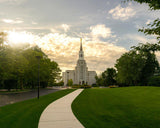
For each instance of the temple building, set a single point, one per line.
(80, 75)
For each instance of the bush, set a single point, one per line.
(154, 81)
(81, 86)
(113, 86)
(95, 85)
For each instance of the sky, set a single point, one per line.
(108, 28)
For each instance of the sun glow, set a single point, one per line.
(19, 38)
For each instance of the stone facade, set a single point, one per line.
(80, 75)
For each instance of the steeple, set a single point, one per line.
(81, 54)
(81, 49)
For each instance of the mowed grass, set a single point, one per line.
(26, 114)
(128, 107)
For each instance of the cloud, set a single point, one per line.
(65, 27)
(100, 30)
(140, 39)
(64, 50)
(148, 22)
(12, 1)
(10, 21)
(33, 22)
(19, 38)
(122, 13)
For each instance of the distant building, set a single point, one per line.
(80, 75)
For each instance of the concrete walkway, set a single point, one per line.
(59, 113)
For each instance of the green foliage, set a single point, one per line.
(153, 4)
(60, 83)
(154, 28)
(99, 80)
(129, 107)
(70, 82)
(95, 85)
(154, 81)
(81, 86)
(2, 38)
(26, 114)
(108, 77)
(22, 65)
(136, 66)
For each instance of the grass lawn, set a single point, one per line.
(26, 114)
(128, 107)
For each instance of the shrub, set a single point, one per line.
(95, 85)
(81, 86)
(113, 86)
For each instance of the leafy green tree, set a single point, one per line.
(99, 80)
(2, 39)
(49, 70)
(129, 67)
(61, 83)
(153, 28)
(19, 66)
(109, 76)
(2, 56)
(153, 4)
(70, 82)
(137, 65)
(154, 81)
(151, 62)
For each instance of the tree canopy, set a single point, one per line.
(137, 65)
(153, 28)
(108, 77)
(19, 67)
(153, 4)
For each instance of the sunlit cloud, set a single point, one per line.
(100, 30)
(120, 13)
(140, 39)
(65, 27)
(148, 21)
(33, 22)
(12, 1)
(64, 49)
(10, 21)
(19, 38)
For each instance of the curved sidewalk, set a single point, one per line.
(59, 113)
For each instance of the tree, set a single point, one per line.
(153, 28)
(129, 67)
(99, 80)
(70, 82)
(151, 62)
(19, 66)
(153, 4)
(2, 38)
(49, 70)
(137, 65)
(154, 81)
(109, 76)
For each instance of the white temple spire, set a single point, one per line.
(81, 54)
(81, 49)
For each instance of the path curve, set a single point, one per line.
(59, 113)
